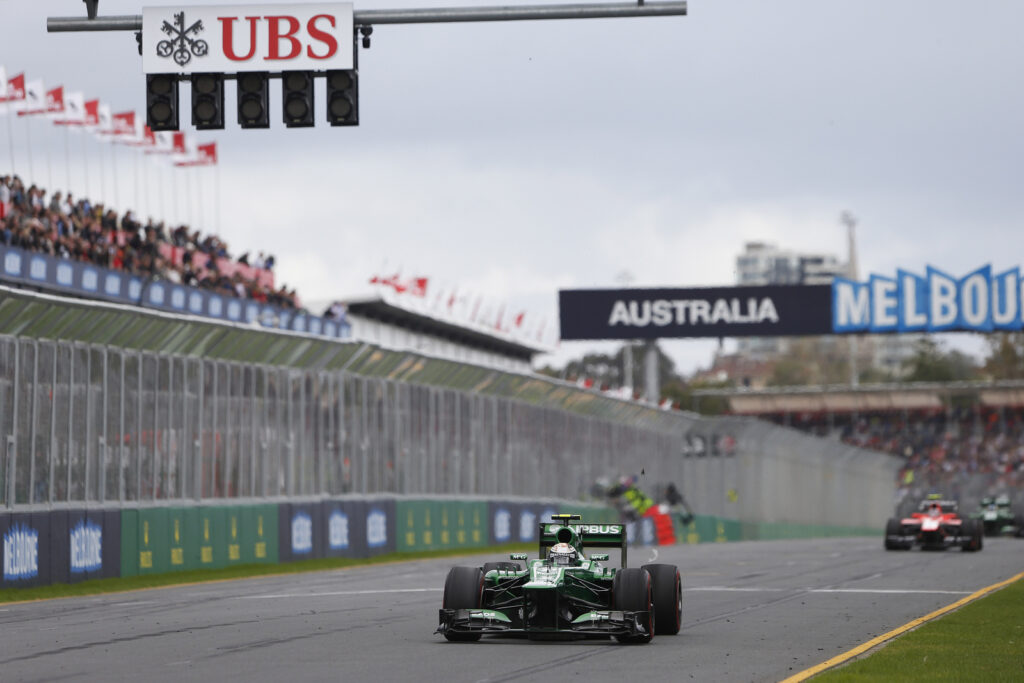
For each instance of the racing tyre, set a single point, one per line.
(975, 532)
(892, 528)
(462, 590)
(1018, 522)
(667, 592)
(632, 592)
(503, 566)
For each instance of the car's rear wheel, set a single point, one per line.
(462, 590)
(632, 592)
(667, 593)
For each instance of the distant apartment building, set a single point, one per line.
(763, 263)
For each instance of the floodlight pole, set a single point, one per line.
(422, 16)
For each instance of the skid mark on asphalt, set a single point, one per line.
(588, 653)
(380, 591)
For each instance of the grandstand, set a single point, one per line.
(962, 438)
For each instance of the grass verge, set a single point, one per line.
(982, 641)
(132, 583)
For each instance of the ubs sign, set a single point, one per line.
(236, 38)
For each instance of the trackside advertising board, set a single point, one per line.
(236, 38)
(980, 301)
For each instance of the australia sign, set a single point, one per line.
(981, 301)
(237, 38)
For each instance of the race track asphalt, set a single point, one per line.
(752, 611)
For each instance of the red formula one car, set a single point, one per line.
(936, 525)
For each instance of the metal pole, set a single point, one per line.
(423, 16)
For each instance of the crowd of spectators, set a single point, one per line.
(77, 229)
(970, 450)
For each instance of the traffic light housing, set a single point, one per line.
(208, 101)
(343, 97)
(297, 98)
(162, 102)
(253, 99)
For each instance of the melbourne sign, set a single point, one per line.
(235, 38)
(981, 301)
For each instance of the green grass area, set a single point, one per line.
(982, 641)
(97, 586)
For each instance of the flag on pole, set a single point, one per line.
(73, 110)
(205, 155)
(123, 124)
(91, 119)
(34, 99)
(105, 129)
(169, 142)
(55, 102)
(418, 286)
(13, 92)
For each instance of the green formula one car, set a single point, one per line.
(564, 594)
(997, 516)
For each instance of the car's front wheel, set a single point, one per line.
(462, 590)
(632, 592)
(668, 598)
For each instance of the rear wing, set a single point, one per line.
(569, 528)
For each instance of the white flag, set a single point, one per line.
(106, 127)
(35, 98)
(74, 110)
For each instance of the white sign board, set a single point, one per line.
(235, 38)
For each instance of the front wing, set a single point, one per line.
(491, 621)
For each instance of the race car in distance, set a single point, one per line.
(565, 593)
(936, 525)
(997, 517)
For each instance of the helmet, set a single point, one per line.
(562, 554)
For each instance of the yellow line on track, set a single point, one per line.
(874, 642)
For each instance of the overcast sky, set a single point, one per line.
(513, 159)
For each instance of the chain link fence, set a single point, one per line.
(83, 423)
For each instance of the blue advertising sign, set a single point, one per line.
(59, 275)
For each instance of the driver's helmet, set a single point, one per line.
(562, 554)
(934, 509)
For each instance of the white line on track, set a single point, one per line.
(879, 591)
(271, 596)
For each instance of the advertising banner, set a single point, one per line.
(259, 534)
(381, 526)
(504, 522)
(300, 532)
(236, 38)
(25, 549)
(983, 300)
(781, 310)
(344, 528)
(94, 282)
